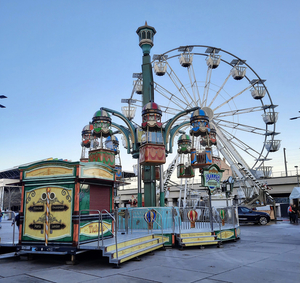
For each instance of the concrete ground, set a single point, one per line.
(268, 253)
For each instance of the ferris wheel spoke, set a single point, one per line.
(238, 111)
(233, 97)
(241, 127)
(164, 109)
(221, 87)
(225, 102)
(180, 87)
(206, 86)
(169, 110)
(182, 104)
(228, 148)
(194, 84)
(242, 145)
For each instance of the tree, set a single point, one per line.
(12, 197)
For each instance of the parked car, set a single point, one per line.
(247, 215)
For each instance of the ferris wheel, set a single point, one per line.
(233, 96)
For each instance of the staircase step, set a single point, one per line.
(201, 243)
(194, 234)
(197, 239)
(128, 243)
(132, 255)
(134, 248)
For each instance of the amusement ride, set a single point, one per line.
(228, 114)
(69, 207)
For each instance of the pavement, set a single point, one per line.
(268, 253)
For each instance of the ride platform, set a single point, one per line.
(132, 236)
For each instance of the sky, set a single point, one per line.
(63, 60)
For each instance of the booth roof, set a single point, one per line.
(295, 193)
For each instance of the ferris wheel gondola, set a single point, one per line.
(234, 97)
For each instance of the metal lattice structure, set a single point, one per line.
(233, 96)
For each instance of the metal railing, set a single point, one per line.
(115, 220)
(230, 216)
(173, 219)
(202, 220)
(133, 219)
(100, 223)
(176, 219)
(11, 217)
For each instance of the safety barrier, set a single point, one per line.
(101, 223)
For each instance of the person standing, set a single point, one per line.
(295, 213)
(16, 220)
(289, 210)
(1, 215)
(202, 208)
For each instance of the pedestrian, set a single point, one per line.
(1, 215)
(289, 210)
(295, 213)
(202, 208)
(202, 202)
(16, 220)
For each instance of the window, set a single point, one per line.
(245, 210)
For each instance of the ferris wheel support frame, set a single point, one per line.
(184, 93)
(186, 99)
(234, 163)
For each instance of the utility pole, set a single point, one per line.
(297, 175)
(285, 163)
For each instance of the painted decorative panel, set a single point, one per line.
(48, 213)
(152, 154)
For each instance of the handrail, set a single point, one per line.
(98, 227)
(220, 226)
(100, 220)
(204, 210)
(12, 212)
(155, 221)
(116, 229)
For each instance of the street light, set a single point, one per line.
(297, 175)
(294, 118)
(2, 96)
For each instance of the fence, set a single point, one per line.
(174, 219)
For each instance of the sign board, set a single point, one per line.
(128, 100)
(212, 176)
(48, 213)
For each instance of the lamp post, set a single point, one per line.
(2, 96)
(294, 118)
(297, 175)
(150, 142)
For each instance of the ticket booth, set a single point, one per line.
(61, 204)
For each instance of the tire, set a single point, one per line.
(263, 220)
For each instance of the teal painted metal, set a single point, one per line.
(148, 91)
(149, 187)
(137, 222)
(146, 34)
(125, 132)
(162, 199)
(173, 133)
(169, 131)
(140, 199)
(132, 130)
